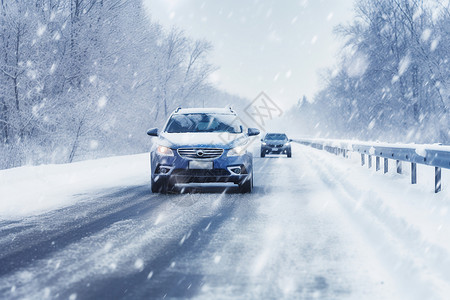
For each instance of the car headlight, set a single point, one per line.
(263, 143)
(237, 151)
(163, 150)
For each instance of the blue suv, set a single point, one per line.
(201, 145)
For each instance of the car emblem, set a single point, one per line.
(200, 153)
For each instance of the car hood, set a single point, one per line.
(202, 139)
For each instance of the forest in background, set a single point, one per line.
(86, 78)
(392, 82)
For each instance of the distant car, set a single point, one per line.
(201, 145)
(276, 143)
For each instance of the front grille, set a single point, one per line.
(276, 145)
(200, 153)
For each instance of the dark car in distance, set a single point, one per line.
(276, 143)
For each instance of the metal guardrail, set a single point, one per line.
(432, 155)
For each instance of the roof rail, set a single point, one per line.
(177, 109)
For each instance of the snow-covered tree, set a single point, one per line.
(392, 82)
(86, 78)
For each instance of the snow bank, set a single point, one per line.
(347, 144)
(32, 190)
(408, 223)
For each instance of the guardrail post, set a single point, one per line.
(377, 163)
(437, 179)
(369, 161)
(413, 173)
(399, 167)
(362, 159)
(386, 165)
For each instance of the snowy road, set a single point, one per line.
(306, 232)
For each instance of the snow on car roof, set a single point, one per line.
(205, 110)
(275, 133)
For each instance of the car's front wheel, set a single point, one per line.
(247, 185)
(289, 152)
(263, 153)
(162, 185)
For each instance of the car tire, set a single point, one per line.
(289, 153)
(161, 186)
(263, 153)
(156, 186)
(246, 186)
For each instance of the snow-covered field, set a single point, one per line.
(316, 226)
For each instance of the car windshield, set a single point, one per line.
(276, 136)
(203, 122)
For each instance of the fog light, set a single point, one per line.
(235, 170)
(163, 170)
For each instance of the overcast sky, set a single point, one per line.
(274, 46)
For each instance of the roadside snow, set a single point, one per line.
(408, 223)
(32, 190)
(421, 151)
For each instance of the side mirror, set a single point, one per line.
(290, 140)
(252, 131)
(152, 132)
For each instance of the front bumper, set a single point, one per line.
(275, 149)
(175, 169)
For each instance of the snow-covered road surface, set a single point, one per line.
(309, 230)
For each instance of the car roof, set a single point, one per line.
(182, 111)
(275, 133)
